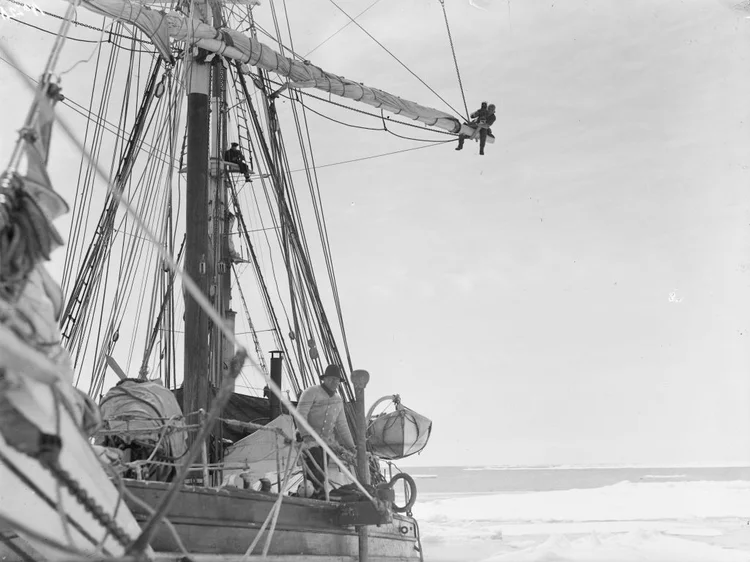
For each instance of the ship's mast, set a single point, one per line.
(207, 351)
(197, 247)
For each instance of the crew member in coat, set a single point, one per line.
(480, 114)
(235, 156)
(483, 118)
(323, 409)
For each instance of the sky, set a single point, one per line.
(578, 295)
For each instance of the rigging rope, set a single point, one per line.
(340, 29)
(323, 230)
(387, 130)
(270, 313)
(375, 115)
(133, 249)
(85, 292)
(305, 276)
(76, 231)
(27, 24)
(289, 212)
(394, 57)
(282, 185)
(285, 193)
(253, 332)
(439, 143)
(361, 127)
(455, 60)
(41, 88)
(84, 112)
(384, 128)
(77, 23)
(93, 52)
(263, 153)
(301, 260)
(77, 345)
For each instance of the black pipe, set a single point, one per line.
(277, 359)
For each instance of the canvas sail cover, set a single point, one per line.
(133, 406)
(398, 434)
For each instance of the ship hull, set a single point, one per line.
(222, 524)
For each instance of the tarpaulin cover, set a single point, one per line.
(139, 405)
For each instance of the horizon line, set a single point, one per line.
(580, 466)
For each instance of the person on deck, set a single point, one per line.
(324, 411)
(235, 156)
(483, 118)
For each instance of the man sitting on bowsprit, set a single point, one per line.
(483, 118)
(235, 156)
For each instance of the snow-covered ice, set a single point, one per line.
(638, 546)
(649, 521)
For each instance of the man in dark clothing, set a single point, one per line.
(483, 118)
(235, 156)
(480, 113)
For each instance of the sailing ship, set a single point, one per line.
(154, 468)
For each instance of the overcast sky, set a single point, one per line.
(578, 295)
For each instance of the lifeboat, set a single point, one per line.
(398, 434)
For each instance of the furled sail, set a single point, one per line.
(160, 26)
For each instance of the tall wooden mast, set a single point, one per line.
(197, 251)
(207, 352)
